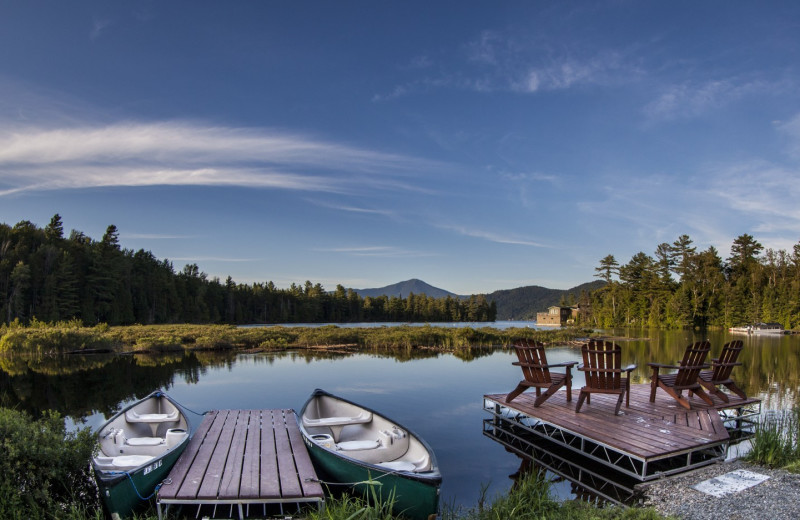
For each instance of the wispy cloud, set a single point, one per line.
(377, 251)
(154, 236)
(764, 190)
(183, 153)
(213, 259)
(99, 25)
(791, 130)
(353, 209)
(691, 99)
(496, 62)
(491, 236)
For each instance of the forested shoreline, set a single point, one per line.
(49, 277)
(680, 287)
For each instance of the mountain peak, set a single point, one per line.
(403, 289)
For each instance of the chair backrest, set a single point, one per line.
(724, 366)
(692, 363)
(534, 362)
(599, 356)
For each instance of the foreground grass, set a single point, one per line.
(72, 336)
(777, 440)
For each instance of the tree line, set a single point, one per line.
(679, 286)
(49, 277)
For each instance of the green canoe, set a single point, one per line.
(137, 448)
(357, 447)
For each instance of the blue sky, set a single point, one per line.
(475, 145)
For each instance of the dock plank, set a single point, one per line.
(212, 479)
(170, 487)
(311, 487)
(197, 470)
(252, 457)
(244, 457)
(290, 483)
(232, 476)
(269, 482)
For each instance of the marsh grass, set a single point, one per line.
(777, 439)
(51, 338)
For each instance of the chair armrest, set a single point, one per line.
(604, 370)
(564, 364)
(629, 368)
(661, 365)
(727, 364)
(567, 364)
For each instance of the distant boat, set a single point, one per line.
(137, 448)
(351, 444)
(758, 328)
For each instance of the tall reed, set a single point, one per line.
(777, 439)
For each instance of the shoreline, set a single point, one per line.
(776, 498)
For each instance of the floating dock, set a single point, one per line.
(244, 463)
(646, 441)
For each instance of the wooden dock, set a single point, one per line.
(243, 460)
(646, 441)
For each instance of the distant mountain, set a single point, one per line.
(403, 289)
(521, 303)
(524, 302)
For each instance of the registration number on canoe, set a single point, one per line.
(152, 467)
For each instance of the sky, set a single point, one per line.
(474, 145)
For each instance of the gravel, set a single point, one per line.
(776, 498)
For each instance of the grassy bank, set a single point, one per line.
(44, 475)
(777, 440)
(61, 337)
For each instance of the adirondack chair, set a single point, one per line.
(720, 373)
(536, 372)
(686, 378)
(602, 364)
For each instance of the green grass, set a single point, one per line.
(777, 440)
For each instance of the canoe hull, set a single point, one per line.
(124, 488)
(414, 498)
(415, 494)
(123, 492)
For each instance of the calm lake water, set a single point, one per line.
(437, 395)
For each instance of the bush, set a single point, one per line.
(43, 468)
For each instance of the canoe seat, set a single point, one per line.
(361, 418)
(130, 461)
(145, 441)
(399, 465)
(122, 462)
(133, 417)
(358, 445)
(146, 446)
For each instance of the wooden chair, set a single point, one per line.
(536, 372)
(602, 364)
(686, 378)
(720, 373)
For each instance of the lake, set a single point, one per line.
(437, 395)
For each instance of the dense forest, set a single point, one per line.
(49, 277)
(681, 287)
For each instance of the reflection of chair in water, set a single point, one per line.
(686, 378)
(720, 373)
(602, 364)
(536, 371)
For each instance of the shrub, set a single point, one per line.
(43, 468)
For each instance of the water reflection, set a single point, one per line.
(438, 395)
